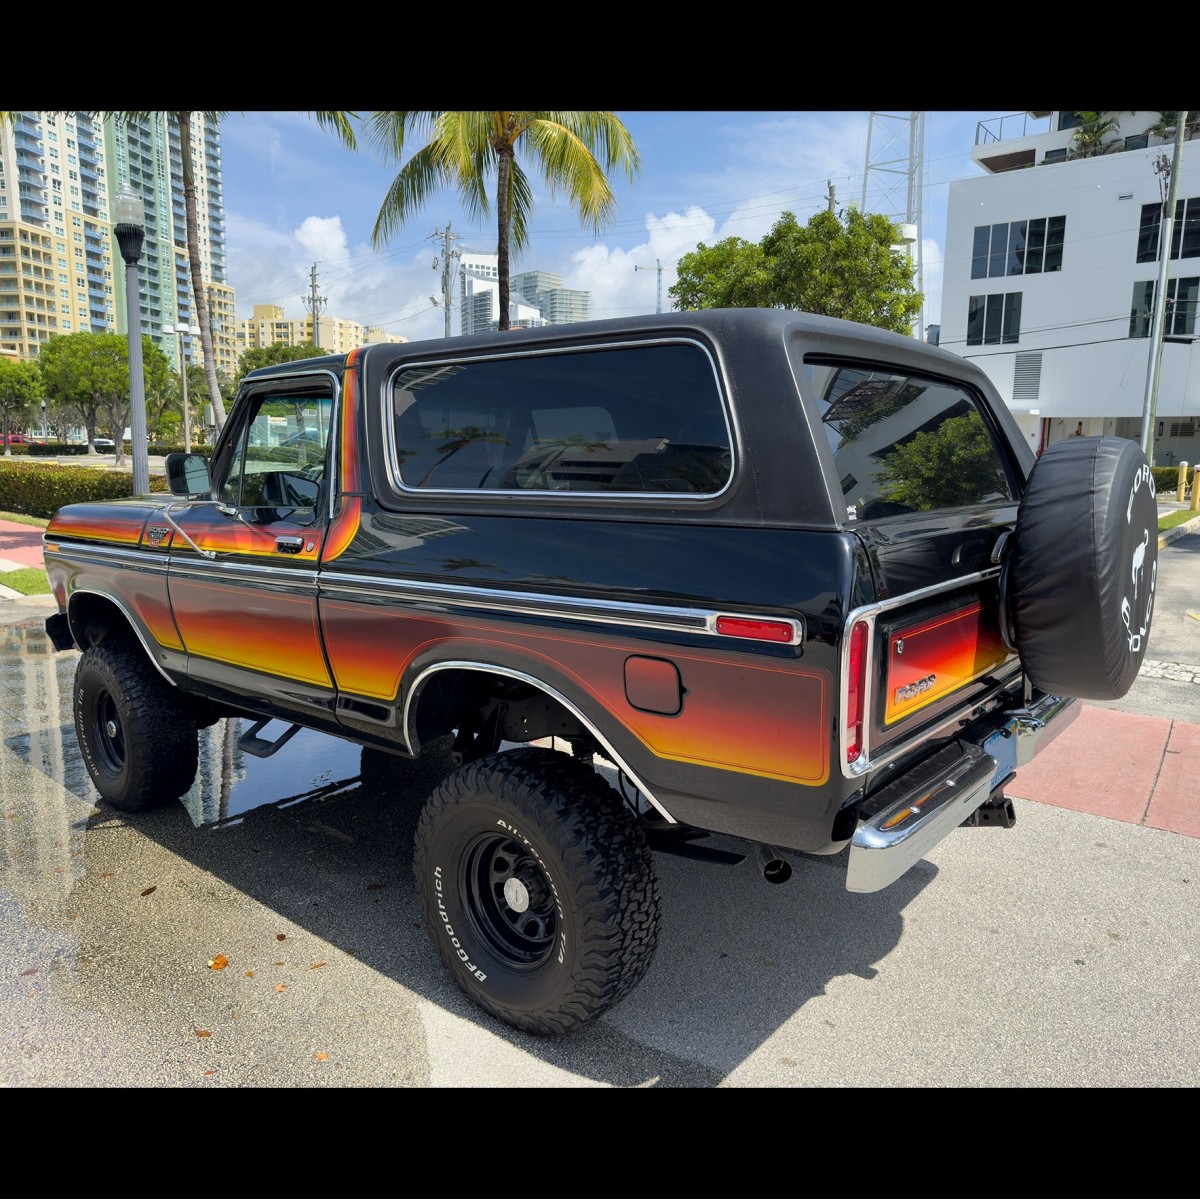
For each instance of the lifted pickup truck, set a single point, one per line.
(790, 581)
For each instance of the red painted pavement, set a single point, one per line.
(21, 544)
(1133, 768)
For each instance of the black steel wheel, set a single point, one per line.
(137, 735)
(538, 888)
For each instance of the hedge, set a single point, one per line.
(1166, 479)
(41, 489)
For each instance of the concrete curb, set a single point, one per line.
(1165, 539)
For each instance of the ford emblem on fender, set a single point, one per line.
(157, 534)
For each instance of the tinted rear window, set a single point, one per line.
(639, 419)
(906, 444)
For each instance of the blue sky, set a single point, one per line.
(294, 198)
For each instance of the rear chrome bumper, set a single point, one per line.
(926, 804)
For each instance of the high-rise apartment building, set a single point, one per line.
(60, 268)
(1052, 265)
(535, 297)
(269, 326)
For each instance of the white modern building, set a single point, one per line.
(1052, 263)
(535, 297)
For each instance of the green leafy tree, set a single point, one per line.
(90, 371)
(20, 391)
(847, 265)
(952, 465)
(574, 151)
(276, 352)
(731, 274)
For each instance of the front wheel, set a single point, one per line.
(138, 737)
(538, 889)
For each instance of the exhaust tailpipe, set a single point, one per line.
(775, 868)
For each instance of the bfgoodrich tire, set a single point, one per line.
(1079, 583)
(137, 735)
(538, 889)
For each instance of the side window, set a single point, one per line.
(630, 418)
(279, 460)
(902, 443)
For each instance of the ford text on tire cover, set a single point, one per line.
(744, 585)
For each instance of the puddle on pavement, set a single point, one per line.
(37, 727)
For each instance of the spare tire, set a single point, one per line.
(1078, 584)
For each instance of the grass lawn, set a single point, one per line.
(1175, 518)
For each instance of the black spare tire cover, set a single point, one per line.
(1079, 581)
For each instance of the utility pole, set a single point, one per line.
(315, 304)
(657, 268)
(1160, 291)
(447, 265)
(832, 203)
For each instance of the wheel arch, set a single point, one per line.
(436, 680)
(95, 616)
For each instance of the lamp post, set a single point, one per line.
(130, 231)
(44, 433)
(180, 331)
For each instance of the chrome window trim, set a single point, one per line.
(393, 460)
(533, 681)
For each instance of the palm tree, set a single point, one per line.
(1168, 122)
(461, 149)
(1094, 134)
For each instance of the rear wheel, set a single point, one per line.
(538, 888)
(137, 735)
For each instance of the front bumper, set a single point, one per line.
(924, 805)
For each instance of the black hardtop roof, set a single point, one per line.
(723, 325)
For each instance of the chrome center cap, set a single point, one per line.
(110, 727)
(516, 894)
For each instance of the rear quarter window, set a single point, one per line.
(903, 443)
(646, 418)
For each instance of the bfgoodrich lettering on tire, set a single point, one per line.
(538, 889)
(1079, 584)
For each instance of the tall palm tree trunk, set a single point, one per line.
(199, 297)
(503, 184)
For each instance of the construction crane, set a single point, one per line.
(657, 268)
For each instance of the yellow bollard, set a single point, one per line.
(1181, 485)
(1195, 492)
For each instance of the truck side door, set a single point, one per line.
(248, 614)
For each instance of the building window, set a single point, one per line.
(1137, 141)
(1069, 120)
(1053, 156)
(1179, 320)
(1018, 248)
(994, 320)
(1185, 233)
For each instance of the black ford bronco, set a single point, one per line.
(731, 584)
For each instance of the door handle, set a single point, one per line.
(289, 545)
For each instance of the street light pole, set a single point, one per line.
(179, 331)
(1160, 296)
(130, 231)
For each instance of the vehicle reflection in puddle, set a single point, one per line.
(36, 725)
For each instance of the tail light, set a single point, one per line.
(856, 686)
